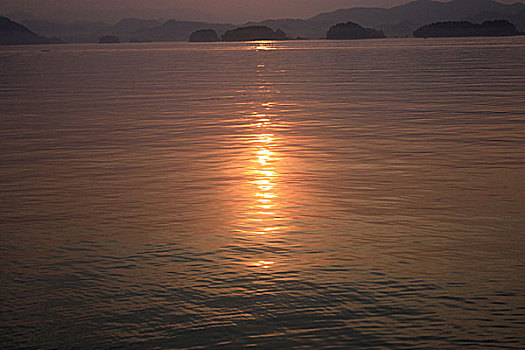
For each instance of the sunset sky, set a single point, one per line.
(218, 10)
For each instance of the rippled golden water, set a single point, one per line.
(363, 194)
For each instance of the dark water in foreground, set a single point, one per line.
(363, 194)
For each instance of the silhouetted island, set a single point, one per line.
(204, 35)
(109, 39)
(351, 30)
(463, 29)
(12, 33)
(252, 33)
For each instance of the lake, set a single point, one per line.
(305, 194)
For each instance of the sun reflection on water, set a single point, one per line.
(263, 45)
(263, 264)
(263, 213)
(264, 180)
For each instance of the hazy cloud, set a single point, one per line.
(219, 10)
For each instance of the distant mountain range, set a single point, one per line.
(403, 20)
(397, 21)
(12, 33)
(126, 29)
(178, 30)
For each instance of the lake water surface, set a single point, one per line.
(362, 194)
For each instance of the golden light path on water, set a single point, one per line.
(265, 178)
(263, 171)
(263, 45)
